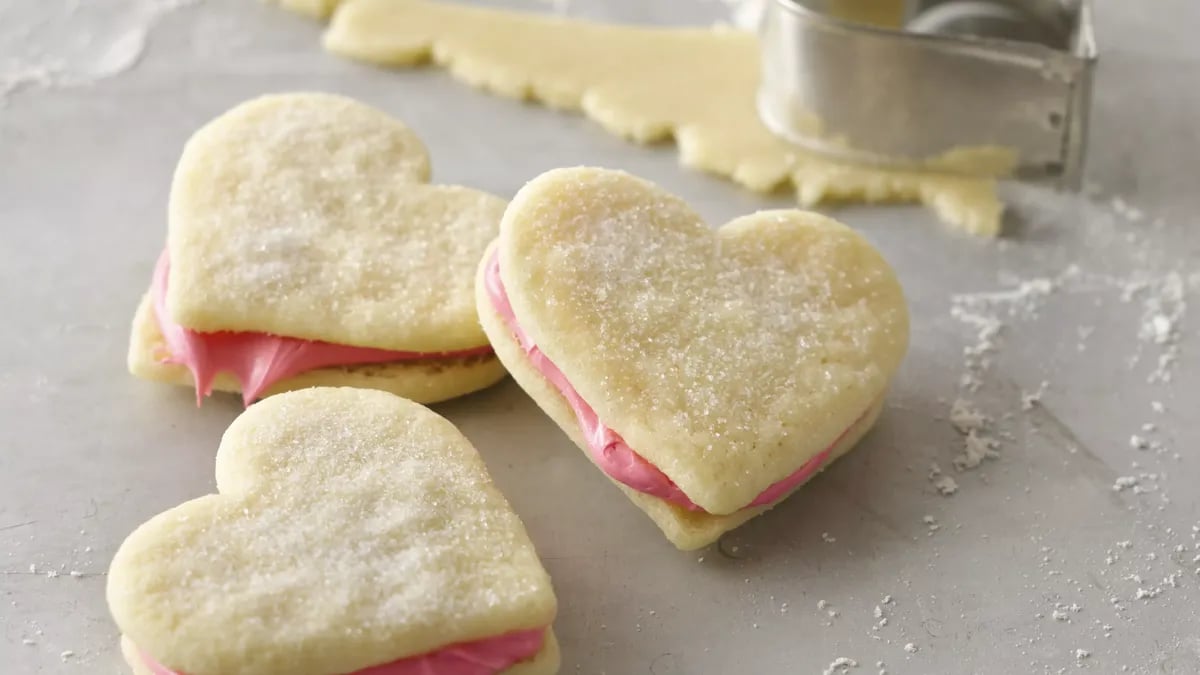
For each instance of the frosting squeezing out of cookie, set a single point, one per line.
(259, 360)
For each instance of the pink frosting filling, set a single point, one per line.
(608, 449)
(259, 360)
(480, 657)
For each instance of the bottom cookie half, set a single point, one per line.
(424, 381)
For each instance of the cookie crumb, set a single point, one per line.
(946, 486)
(1147, 593)
(977, 447)
(1124, 483)
(840, 665)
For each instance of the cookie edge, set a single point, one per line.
(417, 381)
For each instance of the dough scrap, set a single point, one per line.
(695, 85)
(351, 528)
(308, 215)
(727, 359)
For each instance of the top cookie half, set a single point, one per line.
(309, 216)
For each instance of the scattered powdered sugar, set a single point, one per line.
(978, 444)
(976, 448)
(967, 418)
(1164, 305)
(945, 485)
(69, 43)
(1155, 282)
(840, 665)
(987, 312)
(1133, 294)
(1124, 482)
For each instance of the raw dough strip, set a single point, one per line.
(696, 85)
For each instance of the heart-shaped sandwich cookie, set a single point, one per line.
(306, 248)
(708, 373)
(354, 532)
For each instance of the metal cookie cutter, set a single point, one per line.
(996, 87)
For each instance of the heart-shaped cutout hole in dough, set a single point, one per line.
(729, 361)
(352, 529)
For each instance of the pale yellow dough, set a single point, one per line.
(307, 215)
(351, 528)
(696, 85)
(424, 381)
(726, 359)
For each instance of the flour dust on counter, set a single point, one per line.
(992, 412)
(72, 43)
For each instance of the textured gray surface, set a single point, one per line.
(87, 452)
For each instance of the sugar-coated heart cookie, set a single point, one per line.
(709, 374)
(305, 247)
(354, 532)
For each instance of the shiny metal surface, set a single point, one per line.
(908, 85)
